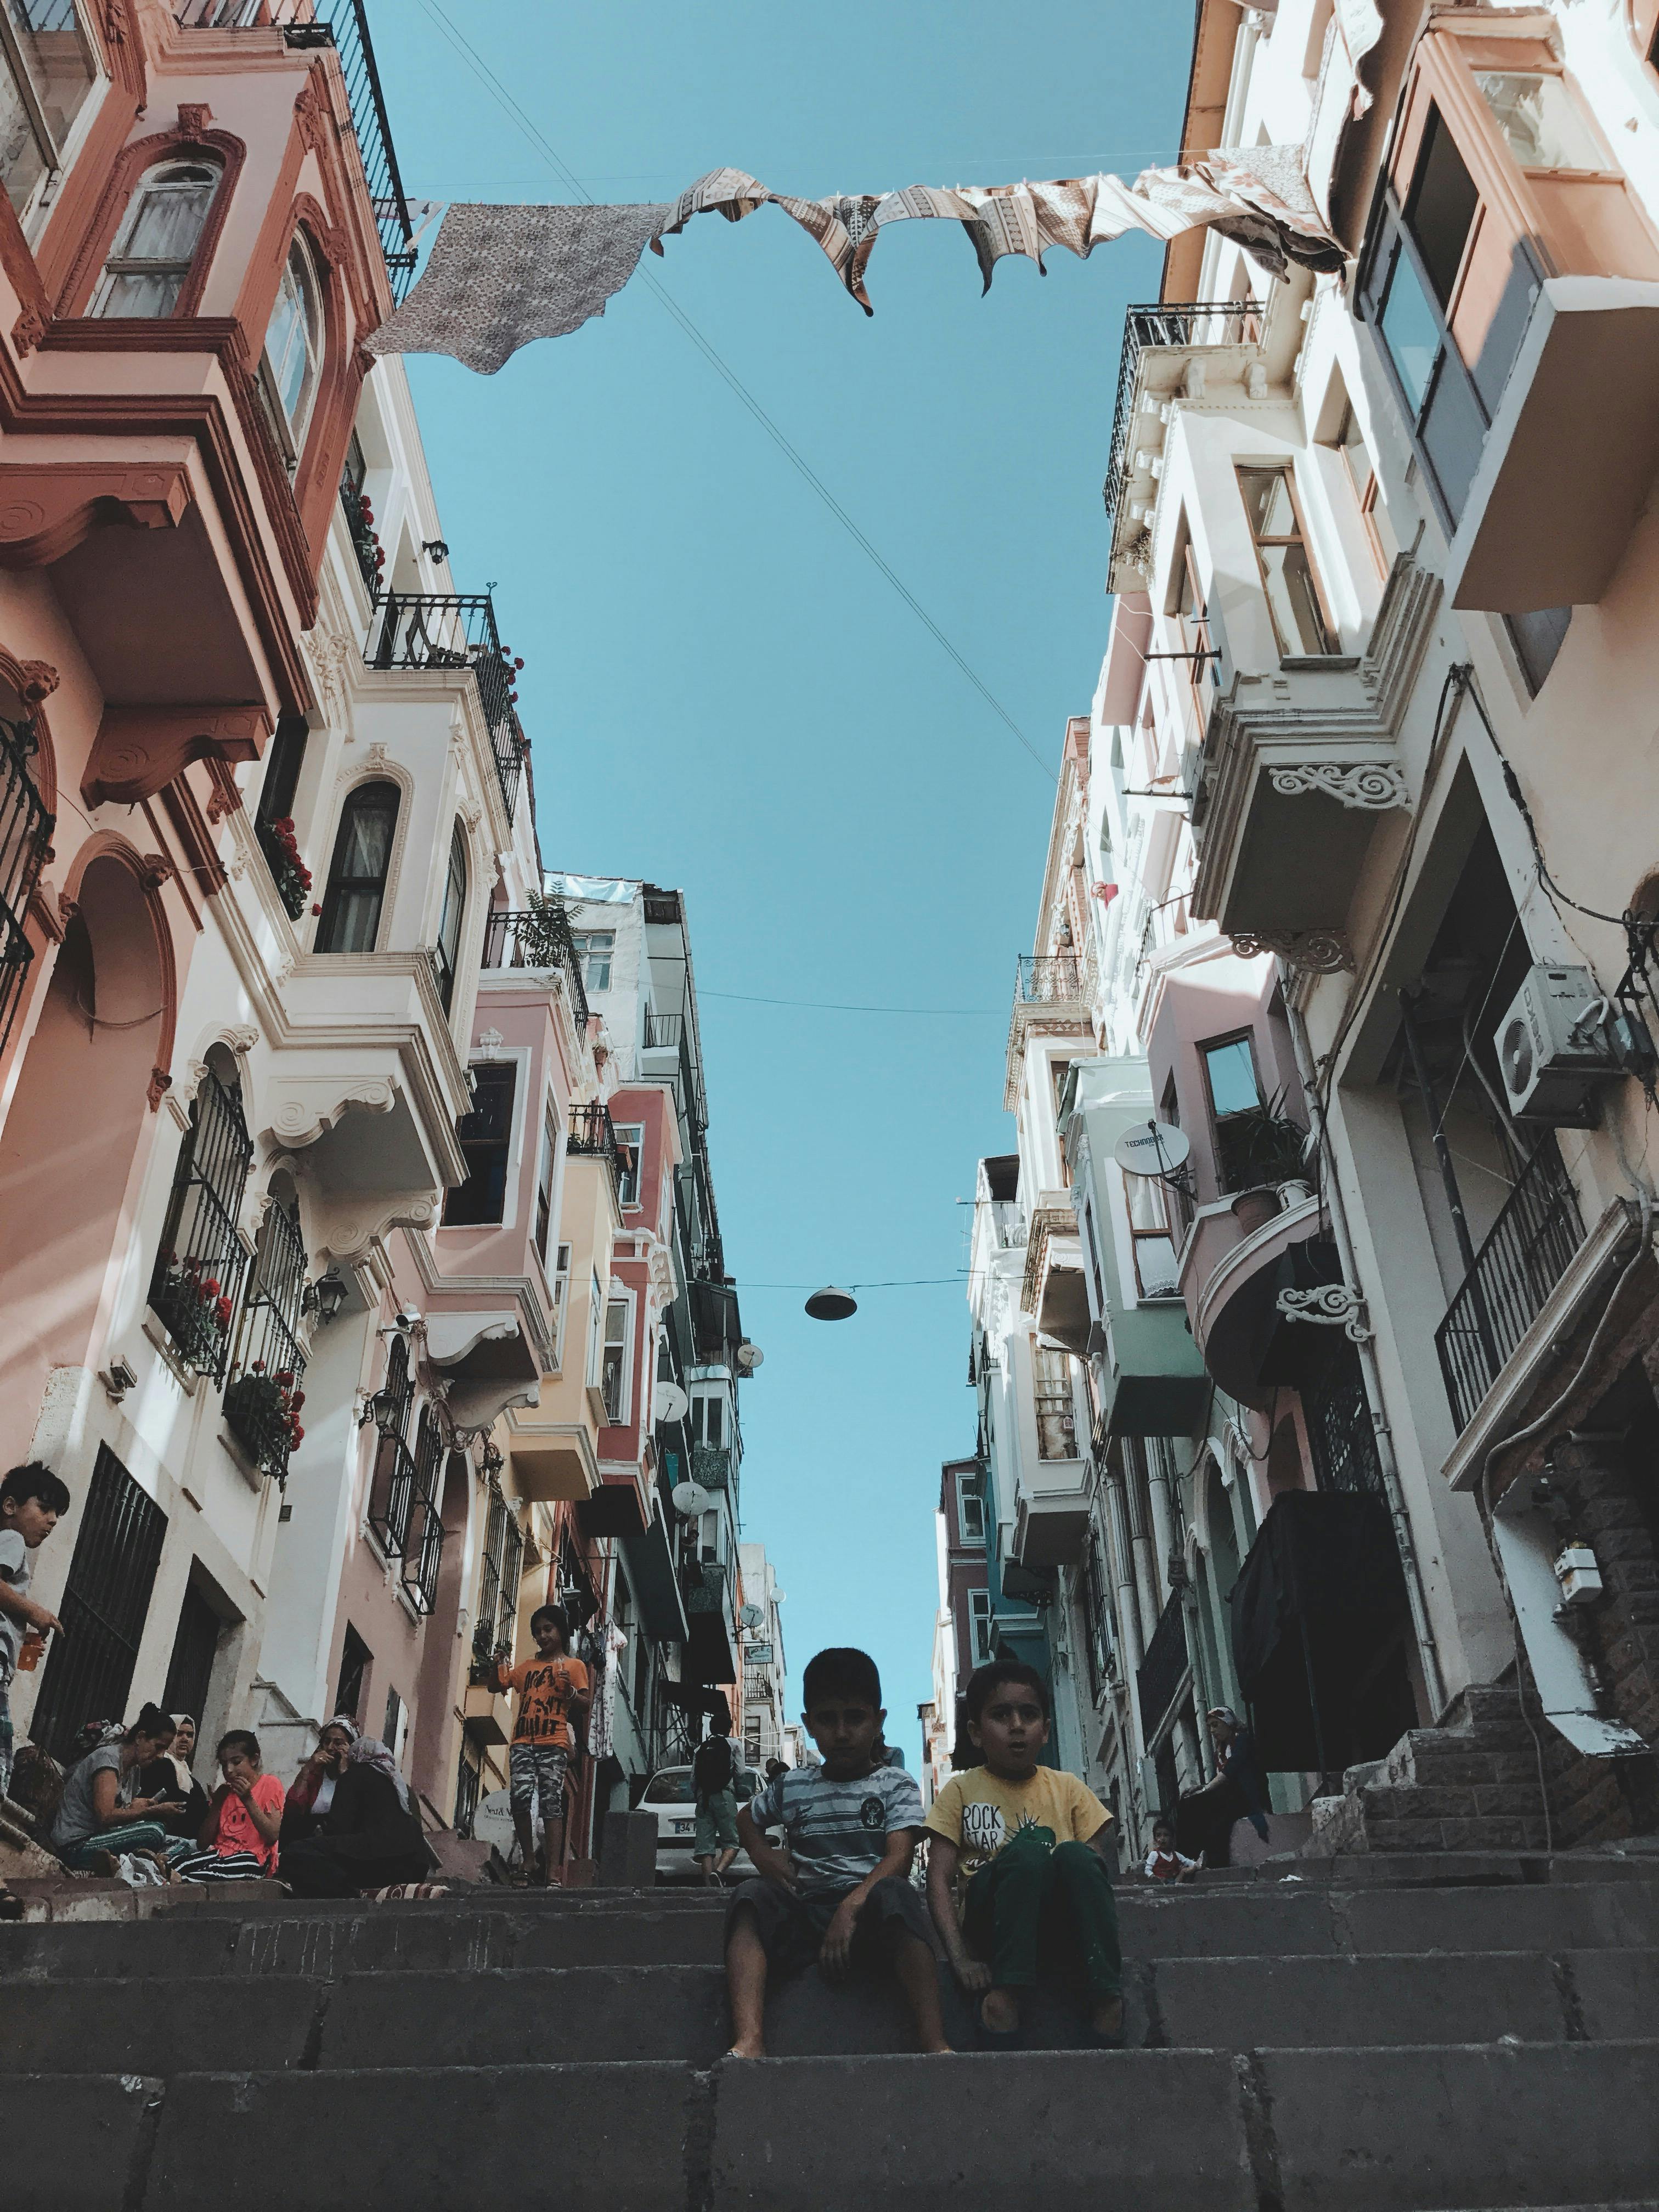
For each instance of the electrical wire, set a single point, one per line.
(838, 1006)
(740, 390)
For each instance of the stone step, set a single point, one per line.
(589, 2014)
(1368, 2129)
(1285, 1919)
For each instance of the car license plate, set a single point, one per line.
(684, 1827)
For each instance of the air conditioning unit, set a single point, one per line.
(1553, 1049)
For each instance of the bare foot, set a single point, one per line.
(747, 2047)
(939, 2050)
(1000, 2010)
(1107, 2018)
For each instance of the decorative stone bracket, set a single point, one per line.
(45, 513)
(1333, 1305)
(1325, 951)
(139, 750)
(1368, 787)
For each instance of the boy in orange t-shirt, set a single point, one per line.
(550, 1686)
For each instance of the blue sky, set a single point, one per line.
(723, 694)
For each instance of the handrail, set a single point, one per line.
(1157, 324)
(1525, 1254)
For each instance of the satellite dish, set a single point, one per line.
(671, 1403)
(832, 1305)
(1151, 1148)
(690, 1498)
(751, 1616)
(749, 1357)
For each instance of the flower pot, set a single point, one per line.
(1294, 1192)
(1253, 1209)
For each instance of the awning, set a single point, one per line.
(649, 1558)
(1318, 1627)
(489, 1363)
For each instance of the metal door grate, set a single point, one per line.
(90, 1672)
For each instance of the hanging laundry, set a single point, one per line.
(498, 276)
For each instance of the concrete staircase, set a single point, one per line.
(1390, 2034)
(1471, 1785)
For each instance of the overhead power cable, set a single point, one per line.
(729, 375)
(838, 1006)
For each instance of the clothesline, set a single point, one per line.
(498, 276)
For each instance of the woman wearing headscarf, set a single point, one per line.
(177, 1799)
(368, 1839)
(1204, 1817)
(311, 1795)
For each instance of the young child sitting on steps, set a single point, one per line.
(843, 1895)
(1029, 1844)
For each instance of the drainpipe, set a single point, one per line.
(1158, 1492)
(1427, 1652)
(1129, 1610)
(1141, 1544)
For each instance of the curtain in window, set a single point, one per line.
(356, 883)
(293, 341)
(157, 240)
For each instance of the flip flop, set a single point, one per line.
(997, 2039)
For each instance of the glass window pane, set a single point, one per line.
(1541, 127)
(1440, 211)
(1287, 575)
(1155, 1263)
(1233, 1088)
(368, 844)
(1145, 1197)
(140, 295)
(167, 221)
(356, 922)
(1267, 499)
(1410, 329)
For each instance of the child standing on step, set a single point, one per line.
(550, 1686)
(842, 1895)
(31, 1499)
(1029, 1845)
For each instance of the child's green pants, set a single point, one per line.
(1031, 1900)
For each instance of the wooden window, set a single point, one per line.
(1235, 1090)
(447, 953)
(356, 880)
(629, 1137)
(546, 1169)
(153, 248)
(486, 1138)
(1299, 619)
(1361, 471)
(614, 1375)
(560, 1301)
(293, 355)
(1154, 1247)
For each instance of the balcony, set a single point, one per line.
(711, 1466)
(1300, 764)
(537, 938)
(1164, 1670)
(1233, 1276)
(433, 632)
(1051, 1502)
(711, 1654)
(1201, 350)
(667, 1050)
(1528, 1251)
(25, 838)
(1569, 455)
(343, 25)
(593, 1137)
(1053, 996)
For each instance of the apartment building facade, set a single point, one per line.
(319, 1226)
(1347, 927)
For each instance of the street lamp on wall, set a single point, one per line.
(324, 1297)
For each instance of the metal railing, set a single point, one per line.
(711, 1466)
(371, 559)
(1341, 1431)
(1162, 1670)
(89, 1668)
(593, 1136)
(25, 838)
(263, 1397)
(673, 1033)
(1528, 1250)
(706, 1591)
(1047, 979)
(537, 937)
(343, 25)
(197, 1283)
(1193, 323)
(423, 1542)
(429, 630)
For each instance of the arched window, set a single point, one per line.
(448, 948)
(196, 1284)
(155, 246)
(294, 350)
(356, 880)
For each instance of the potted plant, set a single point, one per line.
(263, 1410)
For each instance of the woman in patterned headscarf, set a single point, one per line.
(368, 1839)
(312, 1791)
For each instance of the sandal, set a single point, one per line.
(997, 2039)
(1093, 2039)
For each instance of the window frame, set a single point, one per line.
(1138, 1237)
(446, 952)
(630, 1138)
(980, 1627)
(1285, 468)
(292, 435)
(619, 1402)
(1205, 1047)
(966, 1497)
(588, 952)
(494, 1149)
(560, 1287)
(340, 887)
(189, 270)
(547, 1170)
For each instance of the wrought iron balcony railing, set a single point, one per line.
(1050, 978)
(1161, 1671)
(537, 937)
(439, 630)
(1195, 323)
(1528, 1250)
(673, 1033)
(25, 835)
(593, 1136)
(1341, 1431)
(343, 25)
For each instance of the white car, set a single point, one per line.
(670, 1794)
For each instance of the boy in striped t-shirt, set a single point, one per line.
(842, 1895)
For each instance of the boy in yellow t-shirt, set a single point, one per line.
(1025, 1846)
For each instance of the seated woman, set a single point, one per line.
(177, 1798)
(370, 1836)
(237, 1838)
(1204, 1817)
(101, 1815)
(310, 1793)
